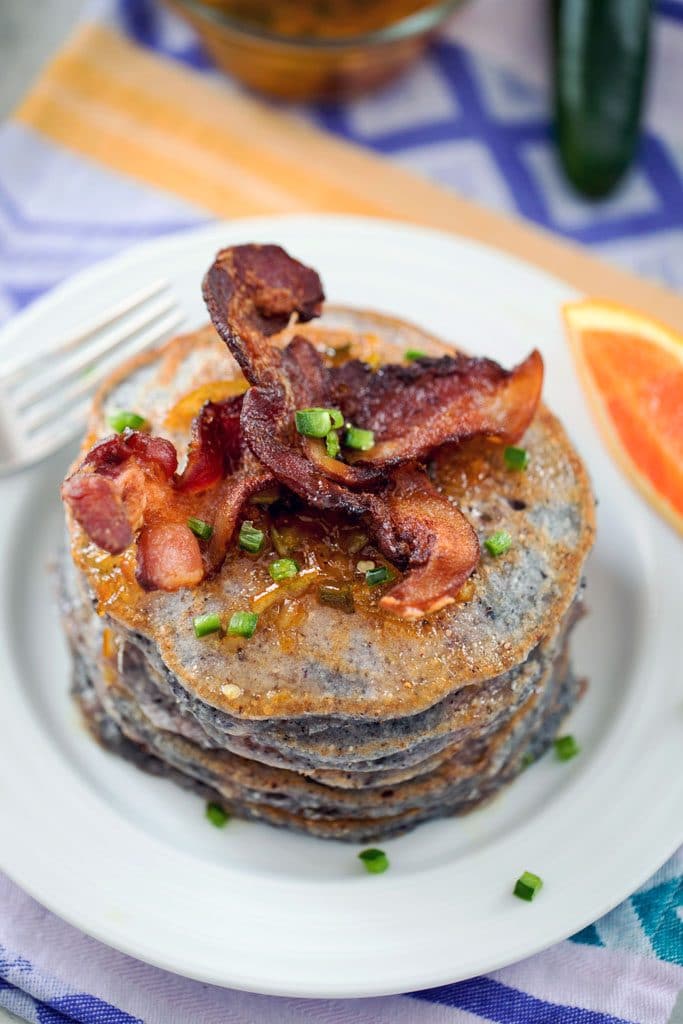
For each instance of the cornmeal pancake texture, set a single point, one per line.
(348, 726)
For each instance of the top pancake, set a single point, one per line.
(311, 659)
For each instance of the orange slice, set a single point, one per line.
(632, 370)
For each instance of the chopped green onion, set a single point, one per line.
(527, 885)
(498, 543)
(566, 747)
(205, 624)
(337, 597)
(250, 539)
(361, 440)
(313, 422)
(376, 861)
(374, 577)
(242, 624)
(318, 422)
(332, 444)
(411, 354)
(528, 759)
(118, 421)
(516, 458)
(217, 816)
(283, 569)
(200, 528)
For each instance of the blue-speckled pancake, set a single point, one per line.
(308, 722)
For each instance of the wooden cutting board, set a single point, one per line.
(230, 154)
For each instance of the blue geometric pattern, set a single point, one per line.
(42, 999)
(494, 1001)
(659, 911)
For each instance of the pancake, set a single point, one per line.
(341, 725)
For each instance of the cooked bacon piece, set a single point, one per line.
(414, 409)
(110, 453)
(415, 524)
(250, 478)
(109, 492)
(251, 291)
(215, 448)
(97, 505)
(269, 430)
(168, 558)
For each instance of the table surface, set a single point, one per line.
(29, 34)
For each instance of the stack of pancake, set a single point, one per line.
(338, 722)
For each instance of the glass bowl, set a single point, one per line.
(320, 67)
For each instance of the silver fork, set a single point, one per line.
(44, 399)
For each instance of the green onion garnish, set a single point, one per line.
(118, 421)
(250, 539)
(283, 569)
(313, 422)
(527, 885)
(516, 458)
(361, 440)
(217, 816)
(200, 528)
(528, 759)
(411, 354)
(566, 747)
(498, 543)
(205, 624)
(317, 422)
(242, 624)
(337, 597)
(376, 861)
(374, 577)
(332, 444)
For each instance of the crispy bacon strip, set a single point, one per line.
(168, 558)
(269, 431)
(215, 448)
(235, 491)
(124, 478)
(99, 506)
(251, 291)
(414, 409)
(108, 455)
(109, 492)
(417, 526)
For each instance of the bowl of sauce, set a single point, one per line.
(314, 49)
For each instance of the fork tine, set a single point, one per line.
(47, 382)
(17, 368)
(49, 411)
(48, 439)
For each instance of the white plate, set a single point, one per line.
(131, 860)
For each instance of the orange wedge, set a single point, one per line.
(632, 370)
